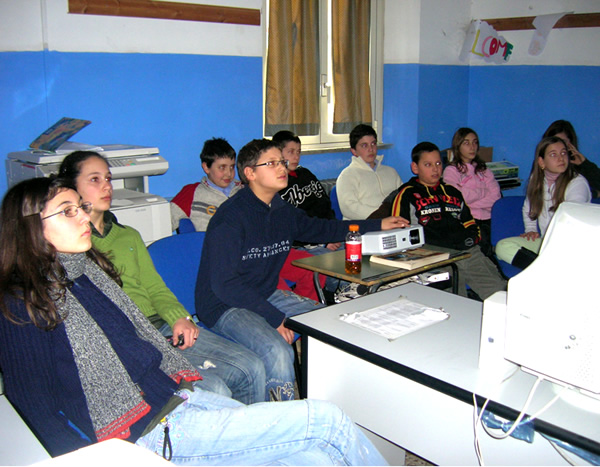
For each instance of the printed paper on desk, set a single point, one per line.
(396, 319)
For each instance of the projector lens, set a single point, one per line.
(414, 236)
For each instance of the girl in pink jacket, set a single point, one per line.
(468, 172)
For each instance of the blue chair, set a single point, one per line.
(335, 205)
(185, 226)
(177, 259)
(507, 221)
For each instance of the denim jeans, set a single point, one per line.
(253, 332)
(226, 367)
(209, 429)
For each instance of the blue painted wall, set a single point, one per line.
(176, 102)
(511, 107)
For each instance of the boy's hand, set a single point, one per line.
(333, 246)
(394, 223)
(188, 329)
(286, 333)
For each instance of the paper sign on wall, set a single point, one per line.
(483, 42)
(543, 25)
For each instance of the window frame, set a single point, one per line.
(326, 140)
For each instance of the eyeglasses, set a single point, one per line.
(72, 210)
(273, 164)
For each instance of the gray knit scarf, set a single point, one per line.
(114, 401)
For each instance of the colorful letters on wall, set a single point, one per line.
(483, 42)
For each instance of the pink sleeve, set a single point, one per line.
(492, 191)
(452, 177)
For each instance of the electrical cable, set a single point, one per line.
(518, 420)
(478, 415)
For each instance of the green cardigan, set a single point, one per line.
(126, 249)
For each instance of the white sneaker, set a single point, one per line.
(389, 285)
(352, 290)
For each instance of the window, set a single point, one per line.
(323, 69)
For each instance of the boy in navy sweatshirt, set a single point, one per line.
(246, 244)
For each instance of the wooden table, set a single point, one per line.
(373, 275)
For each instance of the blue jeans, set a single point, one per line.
(253, 332)
(226, 367)
(209, 429)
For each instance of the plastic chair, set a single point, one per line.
(335, 205)
(177, 259)
(185, 226)
(507, 221)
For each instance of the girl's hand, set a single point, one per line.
(530, 235)
(187, 328)
(577, 157)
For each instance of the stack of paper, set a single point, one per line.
(396, 319)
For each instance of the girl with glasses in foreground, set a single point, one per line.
(66, 326)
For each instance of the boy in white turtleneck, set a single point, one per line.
(363, 185)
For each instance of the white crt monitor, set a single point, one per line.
(553, 306)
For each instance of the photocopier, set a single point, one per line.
(130, 165)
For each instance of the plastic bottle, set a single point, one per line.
(353, 250)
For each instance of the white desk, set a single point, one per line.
(18, 445)
(416, 391)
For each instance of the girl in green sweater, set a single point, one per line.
(225, 366)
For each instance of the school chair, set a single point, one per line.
(507, 221)
(185, 226)
(335, 204)
(177, 259)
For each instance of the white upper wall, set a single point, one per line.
(433, 31)
(416, 31)
(25, 26)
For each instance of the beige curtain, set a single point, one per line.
(292, 83)
(351, 64)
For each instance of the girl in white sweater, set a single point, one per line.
(552, 181)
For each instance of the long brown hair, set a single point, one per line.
(562, 126)
(535, 186)
(457, 161)
(29, 265)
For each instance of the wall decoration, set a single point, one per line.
(543, 25)
(483, 42)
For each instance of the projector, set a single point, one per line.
(387, 242)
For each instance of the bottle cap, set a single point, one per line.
(353, 228)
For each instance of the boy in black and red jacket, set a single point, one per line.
(445, 217)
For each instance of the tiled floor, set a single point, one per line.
(412, 459)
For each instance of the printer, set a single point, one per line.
(130, 166)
